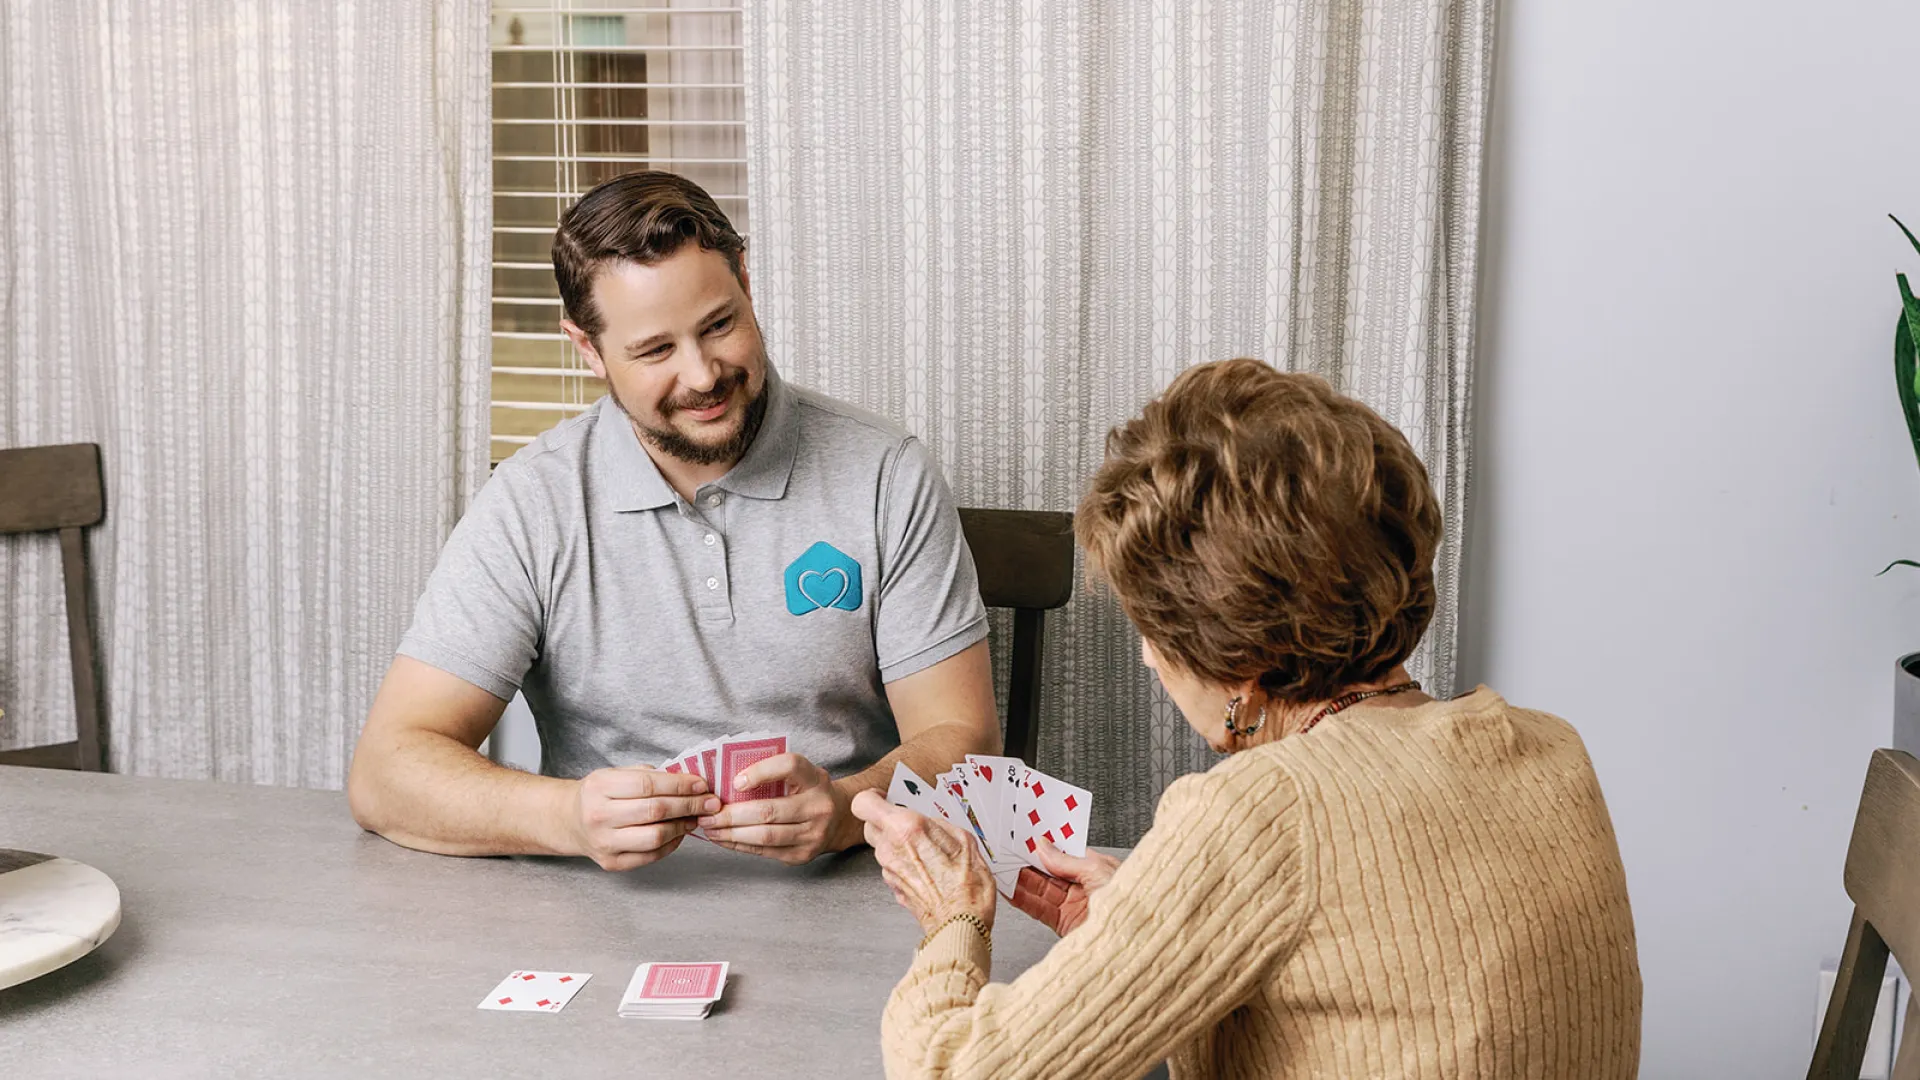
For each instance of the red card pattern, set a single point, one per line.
(736, 756)
(681, 981)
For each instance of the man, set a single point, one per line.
(706, 550)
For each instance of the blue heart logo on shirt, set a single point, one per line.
(824, 577)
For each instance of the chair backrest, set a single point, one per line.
(1883, 878)
(1025, 560)
(58, 489)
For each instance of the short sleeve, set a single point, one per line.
(481, 616)
(929, 602)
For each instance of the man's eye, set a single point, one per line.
(655, 353)
(721, 326)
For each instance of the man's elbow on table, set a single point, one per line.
(363, 788)
(424, 722)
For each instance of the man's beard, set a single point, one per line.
(671, 441)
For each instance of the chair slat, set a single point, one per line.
(1883, 866)
(50, 487)
(1883, 878)
(1025, 562)
(1025, 557)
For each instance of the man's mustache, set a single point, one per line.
(712, 397)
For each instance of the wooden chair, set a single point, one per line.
(1883, 877)
(1025, 560)
(49, 489)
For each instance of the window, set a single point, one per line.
(584, 92)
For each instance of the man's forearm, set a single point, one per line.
(929, 753)
(430, 792)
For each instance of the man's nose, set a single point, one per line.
(698, 370)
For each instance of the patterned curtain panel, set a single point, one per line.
(1009, 225)
(245, 250)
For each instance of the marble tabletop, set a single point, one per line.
(263, 933)
(52, 911)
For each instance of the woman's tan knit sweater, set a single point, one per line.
(1423, 892)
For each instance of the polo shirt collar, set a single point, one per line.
(761, 473)
(635, 480)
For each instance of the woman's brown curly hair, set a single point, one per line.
(1258, 525)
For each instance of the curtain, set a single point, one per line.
(1009, 225)
(244, 249)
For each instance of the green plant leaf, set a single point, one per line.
(1911, 239)
(1906, 330)
(1899, 562)
(1910, 314)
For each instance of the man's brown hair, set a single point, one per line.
(642, 217)
(1259, 525)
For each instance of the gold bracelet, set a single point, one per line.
(967, 917)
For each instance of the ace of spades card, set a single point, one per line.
(910, 791)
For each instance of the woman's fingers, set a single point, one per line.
(1089, 870)
(1058, 863)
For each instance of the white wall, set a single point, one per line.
(1691, 464)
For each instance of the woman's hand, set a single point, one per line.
(934, 869)
(1058, 898)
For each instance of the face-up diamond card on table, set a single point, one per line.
(535, 991)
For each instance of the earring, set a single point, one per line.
(1233, 717)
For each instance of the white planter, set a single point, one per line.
(1906, 704)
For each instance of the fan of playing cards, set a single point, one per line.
(718, 761)
(1006, 805)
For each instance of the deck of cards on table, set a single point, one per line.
(535, 991)
(718, 761)
(1005, 805)
(673, 991)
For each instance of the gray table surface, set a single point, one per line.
(264, 934)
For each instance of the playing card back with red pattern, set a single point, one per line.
(681, 982)
(735, 756)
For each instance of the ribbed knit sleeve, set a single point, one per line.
(1201, 912)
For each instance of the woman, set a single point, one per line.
(1373, 884)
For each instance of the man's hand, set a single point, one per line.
(627, 818)
(1058, 898)
(809, 820)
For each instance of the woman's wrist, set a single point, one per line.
(967, 918)
(948, 912)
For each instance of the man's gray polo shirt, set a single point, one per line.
(827, 563)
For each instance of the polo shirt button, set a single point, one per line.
(713, 500)
(709, 539)
(713, 583)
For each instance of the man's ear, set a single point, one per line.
(584, 346)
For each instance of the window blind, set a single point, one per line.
(582, 93)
